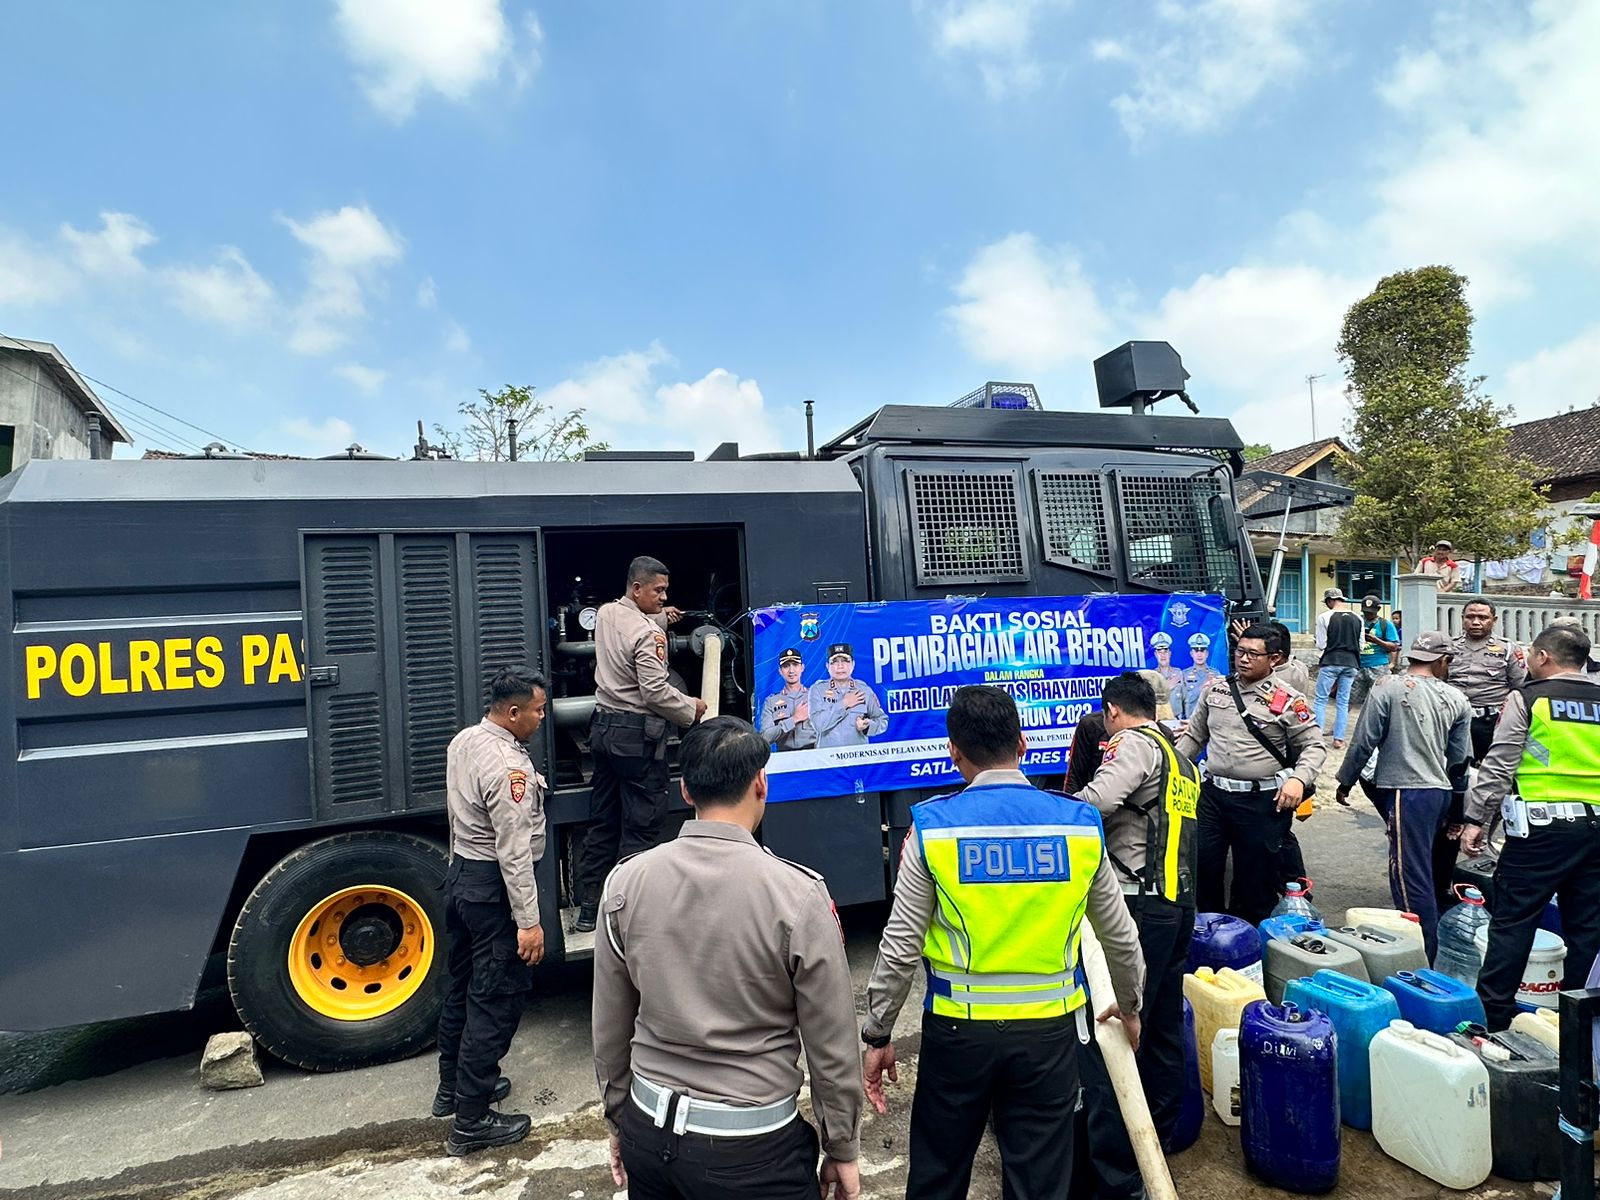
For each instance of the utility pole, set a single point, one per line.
(1311, 388)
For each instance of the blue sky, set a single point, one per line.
(301, 224)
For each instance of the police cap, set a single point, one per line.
(841, 650)
(1162, 641)
(1199, 642)
(789, 655)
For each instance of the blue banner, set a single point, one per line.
(853, 696)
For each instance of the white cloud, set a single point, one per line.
(302, 435)
(364, 379)
(1250, 336)
(30, 275)
(1210, 59)
(111, 250)
(1500, 169)
(427, 294)
(997, 36)
(1555, 379)
(626, 405)
(456, 339)
(725, 407)
(1027, 306)
(407, 48)
(349, 249)
(229, 292)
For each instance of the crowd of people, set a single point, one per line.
(718, 965)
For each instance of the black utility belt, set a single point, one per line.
(622, 720)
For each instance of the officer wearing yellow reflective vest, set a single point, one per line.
(1546, 749)
(1147, 793)
(993, 886)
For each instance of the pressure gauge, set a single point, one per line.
(587, 618)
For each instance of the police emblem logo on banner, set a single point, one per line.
(1179, 613)
(810, 627)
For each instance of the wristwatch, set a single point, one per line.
(877, 1043)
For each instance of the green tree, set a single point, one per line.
(543, 435)
(1256, 450)
(1432, 459)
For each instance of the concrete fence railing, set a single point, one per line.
(1521, 618)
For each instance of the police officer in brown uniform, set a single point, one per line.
(1146, 793)
(1264, 751)
(635, 703)
(716, 962)
(1486, 669)
(495, 801)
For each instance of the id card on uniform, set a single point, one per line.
(1515, 814)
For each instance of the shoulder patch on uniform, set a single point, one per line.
(1301, 710)
(661, 646)
(519, 785)
(801, 867)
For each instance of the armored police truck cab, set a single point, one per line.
(232, 682)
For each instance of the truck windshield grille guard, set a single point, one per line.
(1072, 519)
(1168, 540)
(966, 525)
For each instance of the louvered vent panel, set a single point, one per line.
(348, 582)
(503, 582)
(430, 664)
(355, 749)
(967, 526)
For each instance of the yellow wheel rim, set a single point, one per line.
(361, 953)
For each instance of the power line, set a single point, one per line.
(157, 432)
(127, 396)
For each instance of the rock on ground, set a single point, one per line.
(229, 1061)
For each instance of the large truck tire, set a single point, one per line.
(336, 960)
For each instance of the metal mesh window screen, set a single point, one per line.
(1168, 536)
(967, 526)
(1072, 518)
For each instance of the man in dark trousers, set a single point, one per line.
(1263, 755)
(718, 962)
(635, 703)
(994, 883)
(1546, 750)
(1421, 728)
(1146, 793)
(495, 802)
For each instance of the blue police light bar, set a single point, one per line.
(1002, 395)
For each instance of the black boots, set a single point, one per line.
(444, 1100)
(588, 915)
(491, 1129)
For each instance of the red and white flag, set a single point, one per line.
(1591, 560)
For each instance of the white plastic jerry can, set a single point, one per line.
(1430, 1105)
(1225, 1075)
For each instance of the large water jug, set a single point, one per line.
(1479, 873)
(1192, 1108)
(1218, 998)
(1287, 925)
(1224, 941)
(1306, 954)
(1524, 1088)
(1458, 955)
(1540, 986)
(1434, 1002)
(1405, 924)
(1384, 951)
(1225, 1075)
(1289, 1097)
(1543, 1024)
(1430, 1105)
(1358, 1012)
(1297, 900)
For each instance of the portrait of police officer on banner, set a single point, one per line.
(786, 714)
(845, 711)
